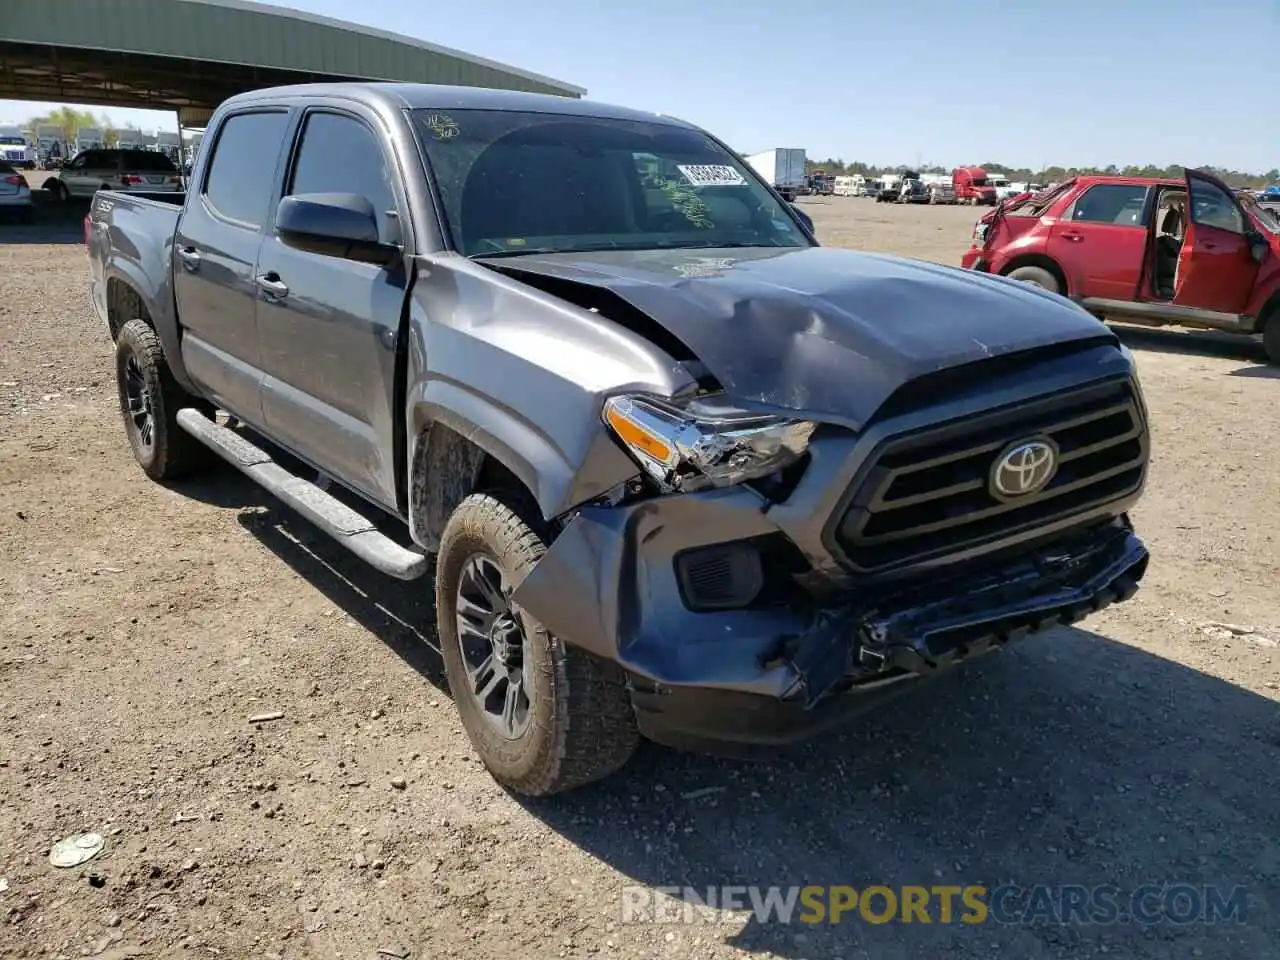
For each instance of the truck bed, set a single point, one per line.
(130, 235)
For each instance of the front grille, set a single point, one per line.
(927, 494)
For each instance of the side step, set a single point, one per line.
(1158, 314)
(335, 518)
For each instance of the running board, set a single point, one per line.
(1161, 313)
(335, 518)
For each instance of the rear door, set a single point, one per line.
(1101, 240)
(1216, 270)
(215, 249)
(328, 326)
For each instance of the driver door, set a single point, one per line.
(1216, 269)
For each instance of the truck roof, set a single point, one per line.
(400, 96)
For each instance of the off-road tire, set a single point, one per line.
(582, 725)
(173, 453)
(1271, 334)
(1036, 275)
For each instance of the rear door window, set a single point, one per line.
(1119, 204)
(241, 177)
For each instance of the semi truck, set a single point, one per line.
(14, 148)
(783, 167)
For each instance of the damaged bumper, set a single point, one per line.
(786, 666)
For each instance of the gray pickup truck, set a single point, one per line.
(684, 473)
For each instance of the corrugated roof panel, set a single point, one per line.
(235, 31)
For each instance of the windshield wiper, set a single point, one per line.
(522, 252)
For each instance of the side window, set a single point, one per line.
(1211, 207)
(242, 174)
(340, 154)
(1115, 203)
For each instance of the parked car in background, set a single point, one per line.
(686, 474)
(1188, 252)
(15, 193)
(145, 171)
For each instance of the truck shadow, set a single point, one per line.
(1209, 343)
(401, 614)
(1069, 759)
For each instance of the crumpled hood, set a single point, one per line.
(831, 333)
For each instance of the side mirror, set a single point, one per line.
(803, 217)
(333, 224)
(1258, 246)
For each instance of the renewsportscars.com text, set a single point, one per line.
(943, 904)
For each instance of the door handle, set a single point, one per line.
(272, 286)
(1073, 237)
(190, 257)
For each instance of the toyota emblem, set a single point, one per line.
(1024, 468)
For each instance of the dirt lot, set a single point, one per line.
(140, 627)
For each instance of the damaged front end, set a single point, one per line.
(698, 598)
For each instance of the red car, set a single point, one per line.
(1141, 250)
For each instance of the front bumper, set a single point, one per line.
(781, 673)
(974, 259)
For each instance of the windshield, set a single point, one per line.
(513, 183)
(979, 181)
(13, 141)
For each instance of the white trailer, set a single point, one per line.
(51, 141)
(89, 138)
(170, 144)
(783, 167)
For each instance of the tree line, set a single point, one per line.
(69, 120)
(1234, 178)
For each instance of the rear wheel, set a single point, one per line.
(543, 715)
(1036, 275)
(149, 403)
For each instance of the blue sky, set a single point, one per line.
(1031, 83)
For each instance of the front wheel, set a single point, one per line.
(543, 716)
(1271, 335)
(1037, 276)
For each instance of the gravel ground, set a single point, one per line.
(141, 626)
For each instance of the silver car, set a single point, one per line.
(15, 194)
(145, 171)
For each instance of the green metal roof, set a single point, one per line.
(195, 53)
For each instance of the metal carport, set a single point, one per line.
(190, 55)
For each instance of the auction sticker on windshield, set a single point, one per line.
(711, 175)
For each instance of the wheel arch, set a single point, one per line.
(125, 303)
(446, 469)
(1044, 262)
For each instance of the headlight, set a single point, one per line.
(704, 442)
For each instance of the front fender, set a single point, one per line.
(524, 376)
